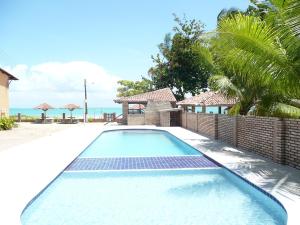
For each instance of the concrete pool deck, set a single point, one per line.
(27, 132)
(28, 167)
(283, 182)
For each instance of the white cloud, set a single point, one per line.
(61, 83)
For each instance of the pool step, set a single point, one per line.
(134, 163)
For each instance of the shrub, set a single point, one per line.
(25, 118)
(6, 123)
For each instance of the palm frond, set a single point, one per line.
(290, 12)
(251, 47)
(285, 110)
(224, 85)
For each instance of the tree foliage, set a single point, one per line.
(129, 88)
(258, 56)
(184, 63)
(254, 55)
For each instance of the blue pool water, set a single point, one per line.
(137, 143)
(197, 197)
(208, 196)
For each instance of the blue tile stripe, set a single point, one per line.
(133, 163)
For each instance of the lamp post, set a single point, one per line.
(85, 102)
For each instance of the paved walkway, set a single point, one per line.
(28, 132)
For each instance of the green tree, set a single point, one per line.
(184, 63)
(129, 88)
(258, 57)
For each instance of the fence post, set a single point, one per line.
(216, 125)
(235, 131)
(186, 120)
(278, 140)
(197, 129)
(19, 117)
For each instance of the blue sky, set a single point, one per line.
(47, 41)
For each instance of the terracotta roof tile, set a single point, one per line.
(159, 95)
(209, 98)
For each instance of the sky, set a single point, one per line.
(53, 45)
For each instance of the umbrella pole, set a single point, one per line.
(71, 117)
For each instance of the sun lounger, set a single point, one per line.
(45, 120)
(69, 120)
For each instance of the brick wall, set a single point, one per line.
(183, 119)
(200, 123)
(206, 124)
(226, 129)
(256, 134)
(274, 138)
(191, 121)
(292, 142)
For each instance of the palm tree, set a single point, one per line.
(259, 59)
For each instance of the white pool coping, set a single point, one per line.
(28, 168)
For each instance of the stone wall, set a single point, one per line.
(274, 138)
(125, 107)
(152, 114)
(152, 118)
(164, 119)
(136, 119)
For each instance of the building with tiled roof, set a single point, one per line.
(161, 95)
(205, 99)
(164, 94)
(5, 79)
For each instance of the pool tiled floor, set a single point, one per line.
(133, 163)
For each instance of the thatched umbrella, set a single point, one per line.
(71, 107)
(44, 107)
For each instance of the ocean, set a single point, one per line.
(92, 112)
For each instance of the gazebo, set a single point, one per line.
(206, 99)
(162, 95)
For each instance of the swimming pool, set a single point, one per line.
(127, 143)
(209, 196)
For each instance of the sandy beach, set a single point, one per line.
(26, 132)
